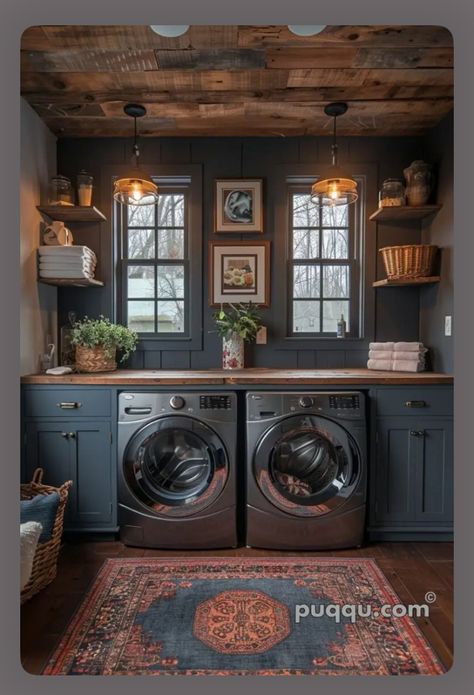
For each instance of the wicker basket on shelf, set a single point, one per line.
(46, 556)
(409, 261)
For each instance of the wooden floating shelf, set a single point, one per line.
(72, 213)
(404, 213)
(403, 283)
(71, 282)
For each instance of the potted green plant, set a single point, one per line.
(239, 324)
(97, 342)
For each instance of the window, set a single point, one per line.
(155, 265)
(323, 272)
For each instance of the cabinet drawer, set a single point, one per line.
(415, 401)
(67, 402)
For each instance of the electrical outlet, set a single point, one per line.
(262, 336)
(448, 325)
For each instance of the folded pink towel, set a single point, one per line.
(420, 355)
(408, 347)
(381, 354)
(407, 366)
(381, 346)
(381, 365)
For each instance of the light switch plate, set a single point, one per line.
(448, 325)
(262, 336)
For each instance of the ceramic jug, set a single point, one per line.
(418, 179)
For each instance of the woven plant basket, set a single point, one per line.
(96, 359)
(410, 261)
(45, 561)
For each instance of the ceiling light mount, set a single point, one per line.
(306, 29)
(169, 31)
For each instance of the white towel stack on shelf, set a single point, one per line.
(63, 262)
(397, 357)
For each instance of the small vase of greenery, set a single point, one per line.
(97, 342)
(239, 324)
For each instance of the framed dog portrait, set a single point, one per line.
(238, 206)
(239, 272)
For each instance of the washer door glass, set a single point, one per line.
(176, 466)
(306, 466)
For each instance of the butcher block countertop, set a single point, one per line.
(252, 377)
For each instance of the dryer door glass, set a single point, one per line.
(306, 466)
(176, 466)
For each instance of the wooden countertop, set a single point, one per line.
(252, 377)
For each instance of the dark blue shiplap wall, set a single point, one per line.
(396, 311)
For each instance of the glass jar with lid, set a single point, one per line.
(392, 194)
(84, 188)
(60, 191)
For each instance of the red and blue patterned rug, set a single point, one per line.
(240, 617)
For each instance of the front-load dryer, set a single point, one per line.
(306, 470)
(176, 477)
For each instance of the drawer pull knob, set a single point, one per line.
(69, 405)
(72, 435)
(65, 435)
(417, 433)
(415, 404)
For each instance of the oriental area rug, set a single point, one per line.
(271, 617)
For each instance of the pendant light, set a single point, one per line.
(137, 188)
(336, 187)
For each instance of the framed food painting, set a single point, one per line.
(239, 272)
(238, 206)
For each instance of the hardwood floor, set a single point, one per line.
(412, 569)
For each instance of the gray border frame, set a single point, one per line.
(458, 16)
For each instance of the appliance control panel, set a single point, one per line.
(215, 402)
(344, 402)
(336, 404)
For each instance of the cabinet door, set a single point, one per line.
(48, 447)
(434, 470)
(394, 471)
(91, 446)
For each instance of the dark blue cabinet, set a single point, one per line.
(411, 467)
(77, 450)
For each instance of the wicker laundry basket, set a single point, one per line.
(46, 556)
(410, 261)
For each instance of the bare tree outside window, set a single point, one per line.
(320, 265)
(154, 247)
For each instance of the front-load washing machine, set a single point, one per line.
(306, 470)
(176, 477)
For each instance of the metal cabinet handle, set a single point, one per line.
(415, 404)
(72, 435)
(69, 405)
(417, 433)
(65, 435)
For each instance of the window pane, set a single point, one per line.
(335, 216)
(171, 317)
(305, 213)
(305, 243)
(141, 281)
(141, 316)
(141, 215)
(332, 313)
(171, 210)
(306, 316)
(141, 243)
(336, 281)
(171, 243)
(335, 243)
(306, 281)
(170, 281)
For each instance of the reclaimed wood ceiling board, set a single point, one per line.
(238, 80)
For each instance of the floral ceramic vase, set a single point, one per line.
(418, 178)
(232, 351)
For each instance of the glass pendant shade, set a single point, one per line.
(336, 187)
(137, 189)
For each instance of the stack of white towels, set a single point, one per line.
(397, 357)
(63, 262)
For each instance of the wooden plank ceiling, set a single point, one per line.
(238, 80)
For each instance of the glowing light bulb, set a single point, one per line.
(334, 192)
(136, 191)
